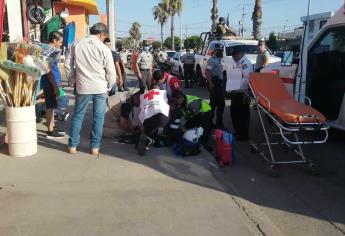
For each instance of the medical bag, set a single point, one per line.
(224, 147)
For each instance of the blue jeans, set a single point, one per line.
(81, 104)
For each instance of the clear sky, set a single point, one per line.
(278, 15)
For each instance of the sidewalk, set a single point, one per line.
(120, 193)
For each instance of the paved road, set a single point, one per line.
(121, 193)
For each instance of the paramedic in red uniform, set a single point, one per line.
(166, 82)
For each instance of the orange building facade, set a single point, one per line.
(79, 11)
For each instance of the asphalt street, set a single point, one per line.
(121, 193)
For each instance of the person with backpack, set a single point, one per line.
(197, 112)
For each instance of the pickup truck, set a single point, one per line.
(231, 72)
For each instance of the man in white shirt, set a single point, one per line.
(240, 102)
(89, 64)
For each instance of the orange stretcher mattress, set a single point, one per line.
(281, 103)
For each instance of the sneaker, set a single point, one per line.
(142, 145)
(54, 135)
(120, 90)
(95, 151)
(65, 116)
(126, 89)
(59, 131)
(72, 150)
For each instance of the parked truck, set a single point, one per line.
(231, 72)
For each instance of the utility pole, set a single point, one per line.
(111, 22)
(242, 22)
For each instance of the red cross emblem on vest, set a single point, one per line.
(150, 95)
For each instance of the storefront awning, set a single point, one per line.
(89, 5)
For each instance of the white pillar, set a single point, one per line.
(111, 22)
(15, 26)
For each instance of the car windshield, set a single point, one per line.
(171, 54)
(248, 49)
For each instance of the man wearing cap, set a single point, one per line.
(188, 61)
(239, 109)
(263, 58)
(144, 68)
(223, 30)
(90, 65)
(216, 82)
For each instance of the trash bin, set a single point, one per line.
(21, 131)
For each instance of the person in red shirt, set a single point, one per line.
(166, 82)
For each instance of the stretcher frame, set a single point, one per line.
(285, 129)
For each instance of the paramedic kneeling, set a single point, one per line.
(239, 109)
(154, 114)
(166, 82)
(197, 113)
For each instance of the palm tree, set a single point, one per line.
(172, 7)
(257, 16)
(135, 33)
(160, 14)
(214, 14)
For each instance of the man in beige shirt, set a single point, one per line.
(144, 68)
(89, 64)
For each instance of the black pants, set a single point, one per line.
(152, 124)
(217, 101)
(203, 120)
(240, 113)
(188, 75)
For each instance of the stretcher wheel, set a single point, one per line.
(274, 171)
(312, 169)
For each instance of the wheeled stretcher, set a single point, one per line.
(297, 124)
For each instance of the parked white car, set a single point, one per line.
(177, 65)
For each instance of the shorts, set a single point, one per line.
(51, 101)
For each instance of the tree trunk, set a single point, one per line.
(214, 14)
(172, 34)
(257, 19)
(162, 39)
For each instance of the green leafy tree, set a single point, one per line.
(272, 42)
(156, 44)
(161, 16)
(127, 42)
(172, 7)
(192, 42)
(168, 42)
(135, 33)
